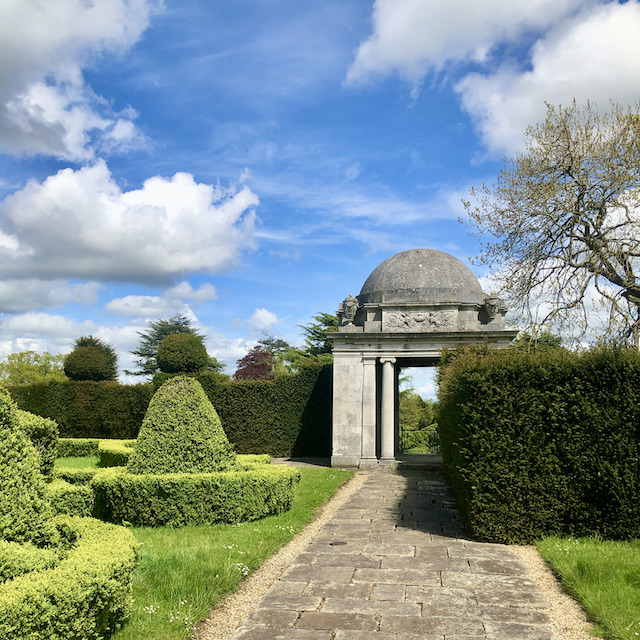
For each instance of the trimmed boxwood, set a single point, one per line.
(74, 476)
(77, 447)
(180, 499)
(84, 597)
(115, 453)
(181, 433)
(17, 559)
(70, 499)
(43, 434)
(536, 444)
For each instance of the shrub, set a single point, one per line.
(77, 447)
(543, 443)
(84, 597)
(181, 433)
(17, 559)
(43, 434)
(180, 499)
(24, 511)
(70, 499)
(88, 409)
(182, 353)
(115, 453)
(88, 363)
(74, 476)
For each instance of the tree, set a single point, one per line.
(151, 338)
(29, 367)
(91, 359)
(537, 341)
(258, 364)
(564, 217)
(315, 339)
(182, 353)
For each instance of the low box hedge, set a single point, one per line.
(115, 453)
(70, 499)
(177, 500)
(84, 597)
(75, 476)
(77, 447)
(17, 559)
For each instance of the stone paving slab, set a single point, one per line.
(394, 564)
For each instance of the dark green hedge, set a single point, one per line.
(288, 416)
(543, 443)
(77, 447)
(179, 499)
(84, 597)
(87, 409)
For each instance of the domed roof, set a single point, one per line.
(422, 275)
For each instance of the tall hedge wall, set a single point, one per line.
(543, 443)
(288, 416)
(85, 409)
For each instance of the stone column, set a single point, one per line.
(368, 460)
(387, 428)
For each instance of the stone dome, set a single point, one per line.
(422, 276)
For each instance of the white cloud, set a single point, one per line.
(172, 301)
(262, 320)
(18, 296)
(592, 57)
(45, 106)
(81, 225)
(412, 37)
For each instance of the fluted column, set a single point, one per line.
(388, 423)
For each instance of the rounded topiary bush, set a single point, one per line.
(25, 513)
(182, 353)
(89, 363)
(43, 433)
(181, 433)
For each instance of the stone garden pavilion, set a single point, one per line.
(411, 307)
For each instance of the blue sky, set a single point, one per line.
(250, 163)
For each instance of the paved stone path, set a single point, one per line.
(392, 564)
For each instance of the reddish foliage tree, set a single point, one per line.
(256, 365)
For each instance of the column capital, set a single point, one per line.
(385, 359)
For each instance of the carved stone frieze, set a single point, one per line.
(418, 321)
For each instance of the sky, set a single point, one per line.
(249, 163)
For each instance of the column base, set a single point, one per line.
(388, 463)
(345, 462)
(368, 463)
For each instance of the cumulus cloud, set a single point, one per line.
(262, 320)
(45, 105)
(19, 296)
(412, 37)
(81, 225)
(592, 57)
(172, 301)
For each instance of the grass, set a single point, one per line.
(184, 572)
(604, 576)
(77, 463)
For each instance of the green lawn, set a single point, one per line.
(77, 463)
(604, 577)
(184, 572)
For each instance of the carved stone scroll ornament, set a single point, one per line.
(494, 305)
(418, 321)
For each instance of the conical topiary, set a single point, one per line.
(181, 433)
(25, 513)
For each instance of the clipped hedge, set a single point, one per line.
(85, 409)
(43, 434)
(75, 476)
(536, 444)
(70, 499)
(77, 447)
(287, 416)
(177, 500)
(17, 559)
(84, 597)
(115, 453)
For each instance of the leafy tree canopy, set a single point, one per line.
(91, 359)
(536, 341)
(563, 222)
(29, 367)
(151, 338)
